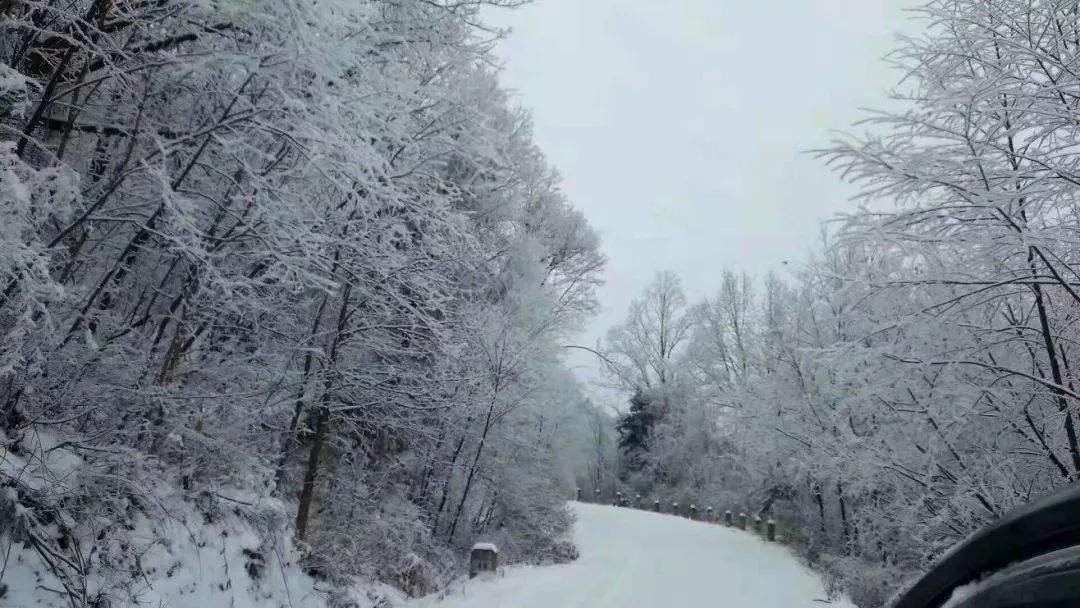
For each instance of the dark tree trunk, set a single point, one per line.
(1056, 375)
(845, 525)
(475, 463)
(307, 492)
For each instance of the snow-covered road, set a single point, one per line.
(636, 559)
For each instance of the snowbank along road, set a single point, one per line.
(638, 559)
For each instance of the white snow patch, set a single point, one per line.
(46, 464)
(13, 86)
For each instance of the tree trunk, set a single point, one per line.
(821, 509)
(290, 434)
(845, 526)
(307, 493)
(1056, 375)
(475, 463)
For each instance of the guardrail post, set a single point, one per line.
(656, 505)
(742, 521)
(674, 508)
(727, 518)
(693, 512)
(484, 557)
(618, 499)
(757, 524)
(577, 495)
(637, 502)
(770, 530)
(709, 514)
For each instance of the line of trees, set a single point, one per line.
(916, 379)
(296, 249)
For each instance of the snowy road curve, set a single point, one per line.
(635, 559)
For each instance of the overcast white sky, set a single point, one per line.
(680, 127)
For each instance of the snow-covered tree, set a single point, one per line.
(304, 251)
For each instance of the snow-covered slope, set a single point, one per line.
(226, 548)
(634, 559)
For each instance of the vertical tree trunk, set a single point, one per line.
(1055, 373)
(450, 476)
(307, 491)
(475, 462)
(420, 493)
(821, 509)
(845, 526)
(294, 423)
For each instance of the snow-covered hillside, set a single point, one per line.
(633, 558)
(241, 556)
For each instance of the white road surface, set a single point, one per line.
(637, 559)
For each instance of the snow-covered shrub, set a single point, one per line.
(866, 584)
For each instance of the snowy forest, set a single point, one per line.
(292, 275)
(914, 380)
(295, 260)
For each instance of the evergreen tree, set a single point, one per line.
(635, 428)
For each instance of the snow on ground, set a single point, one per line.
(182, 562)
(629, 559)
(234, 552)
(632, 558)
